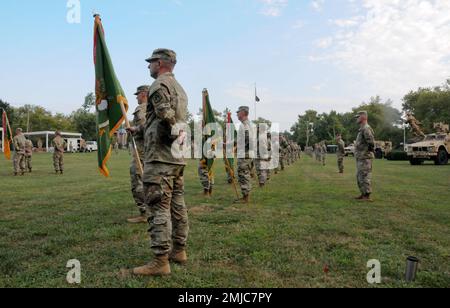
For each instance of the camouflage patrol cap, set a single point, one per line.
(142, 89)
(19, 130)
(243, 108)
(361, 113)
(163, 54)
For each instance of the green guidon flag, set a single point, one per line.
(109, 97)
(208, 118)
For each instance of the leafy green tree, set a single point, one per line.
(85, 123)
(89, 102)
(429, 105)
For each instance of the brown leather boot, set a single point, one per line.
(160, 266)
(137, 220)
(179, 256)
(210, 191)
(367, 198)
(243, 200)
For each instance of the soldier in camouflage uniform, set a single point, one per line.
(19, 142)
(323, 153)
(317, 153)
(164, 166)
(245, 161)
(137, 187)
(59, 146)
(283, 151)
(364, 154)
(29, 155)
(263, 158)
(340, 153)
(207, 179)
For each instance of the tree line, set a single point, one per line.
(37, 118)
(429, 105)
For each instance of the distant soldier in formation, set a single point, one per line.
(137, 187)
(29, 155)
(246, 163)
(263, 158)
(19, 142)
(340, 153)
(283, 152)
(323, 152)
(59, 146)
(364, 153)
(205, 179)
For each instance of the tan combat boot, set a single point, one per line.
(160, 266)
(244, 200)
(179, 256)
(137, 220)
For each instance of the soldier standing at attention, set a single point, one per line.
(324, 150)
(19, 142)
(364, 153)
(164, 169)
(137, 187)
(245, 161)
(340, 153)
(58, 156)
(29, 155)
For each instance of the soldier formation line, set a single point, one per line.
(159, 191)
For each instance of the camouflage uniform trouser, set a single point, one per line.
(263, 174)
(203, 174)
(164, 197)
(364, 175)
(28, 162)
(244, 174)
(137, 187)
(282, 158)
(340, 161)
(58, 161)
(19, 162)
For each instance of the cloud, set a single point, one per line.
(399, 45)
(324, 42)
(317, 5)
(273, 8)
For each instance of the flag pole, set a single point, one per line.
(136, 152)
(7, 123)
(233, 176)
(256, 95)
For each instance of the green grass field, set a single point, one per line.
(305, 219)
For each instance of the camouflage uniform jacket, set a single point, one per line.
(139, 117)
(167, 106)
(59, 144)
(19, 144)
(341, 149)
(365, 143)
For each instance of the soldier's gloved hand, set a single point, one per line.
(132, 130)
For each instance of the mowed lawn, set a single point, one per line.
(304, 221)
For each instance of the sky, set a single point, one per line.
(302, 54)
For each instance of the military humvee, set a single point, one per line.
(382, 149)
(435, 147)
